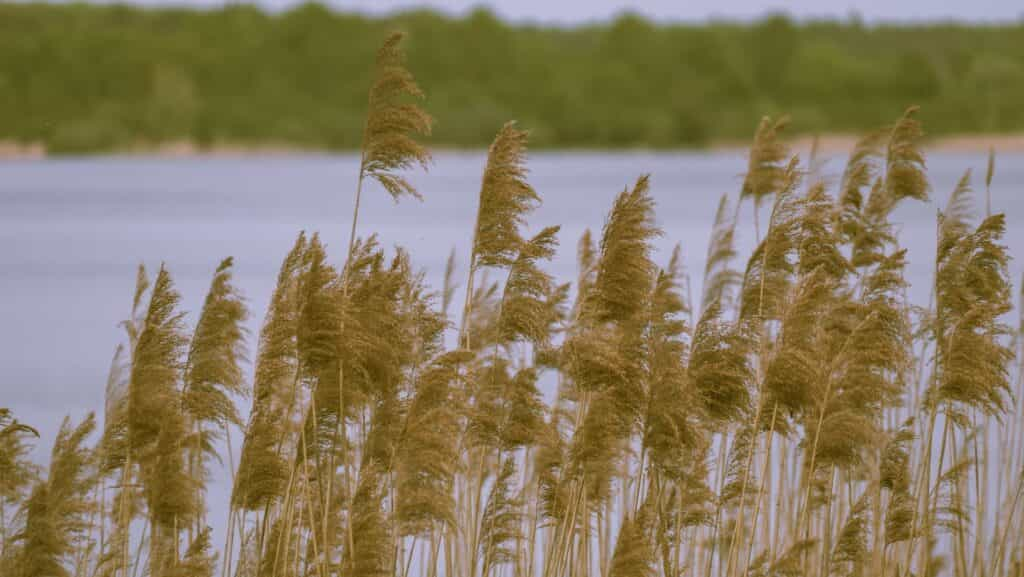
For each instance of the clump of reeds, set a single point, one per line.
(804, 419)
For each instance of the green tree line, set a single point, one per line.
(79, 78)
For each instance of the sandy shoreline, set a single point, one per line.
(833, 144)
(962, 143)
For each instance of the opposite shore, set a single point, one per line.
(832, 144)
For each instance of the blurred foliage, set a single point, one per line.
(80, 78)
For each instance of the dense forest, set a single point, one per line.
(79, 78)
(799, 416)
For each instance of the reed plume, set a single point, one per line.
(972, 294)
(904, 162)
(212, 380)
(719, 278)
(262, 470)
(766, 161)
(16, 473)
(56, 511)
(393, 120)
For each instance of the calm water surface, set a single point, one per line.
(73, 231)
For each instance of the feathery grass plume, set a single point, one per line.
(851, 549)
(169, 490)
(156, 435)
(719, 366)
(55, 513)
(156, 366)
(634, 555)
(550, 469)
(393, 120)
(524, 410)
(864, 342)
(864, 222)
(766, 171)
(213, 372)
(383, 320)
(819, 242)
(603, 355)
(530, 304)
(859, 222)
(869, 342)
(793, 377)
(318, 340)
(16, 475)
(905, 175)
(860, 172)
(770, 269)
(894, 468)
(720, 279)
(592, 359)
(954, 220)
(899, 517)
(262, 471)
(500, 522)
(625, 271)
(489, 384)
(380, 444)
(427, 455)
(16, 470)
(420, 323)
(972, 294)
(318, 332)
(114, 443)
(598, 447)
(671, 432)
(894, 475)
(743, 444)
(505, 200)
(482, 320)
(390, 326)
(795, 380)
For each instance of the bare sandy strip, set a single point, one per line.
(830, 145)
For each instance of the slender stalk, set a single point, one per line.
(760, 489)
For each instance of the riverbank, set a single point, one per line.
(125, 74)
(832, 145)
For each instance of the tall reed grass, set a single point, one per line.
(803, 417)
